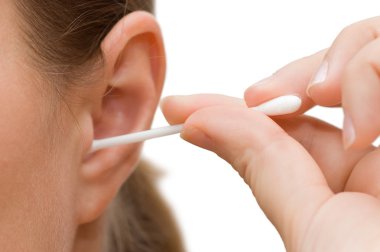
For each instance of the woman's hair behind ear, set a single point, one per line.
(139, 219)
(64, 37)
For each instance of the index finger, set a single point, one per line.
(293, 79)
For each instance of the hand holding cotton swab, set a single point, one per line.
(280, 106)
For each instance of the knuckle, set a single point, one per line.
(242, 164)
(363, 30)
(354, 28)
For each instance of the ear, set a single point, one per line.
(134, 69)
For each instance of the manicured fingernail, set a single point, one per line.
(320, 76)
(348, 132)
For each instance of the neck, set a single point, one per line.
(91, 236)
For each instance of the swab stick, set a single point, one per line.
(279, 106)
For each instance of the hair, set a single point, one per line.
(140, 221)
(64, 37)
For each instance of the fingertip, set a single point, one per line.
(324, 87)
(163, 103)
(196, 136)
(169, 108)
(249, 96)
(349, 134)
(361, 96)
(177, 109)
(327, 94)
(166, 101)
(319, 78)
(359, 135)
(254, 92)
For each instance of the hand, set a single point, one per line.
(299, 184)
(319, 196)
(346, 74)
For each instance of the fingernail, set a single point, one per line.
(319, 77)
(348, 132)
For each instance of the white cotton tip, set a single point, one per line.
(280, 106)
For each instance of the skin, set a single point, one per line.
(54, 194)
(326, 194)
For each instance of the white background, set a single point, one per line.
(220, 46)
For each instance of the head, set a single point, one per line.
(71, 72)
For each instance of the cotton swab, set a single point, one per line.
(136, 137)
(279, 106)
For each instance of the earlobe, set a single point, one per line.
(134, 66)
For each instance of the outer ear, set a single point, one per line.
(134, 70)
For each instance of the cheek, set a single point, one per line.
(36, 180)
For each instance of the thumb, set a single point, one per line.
(286, 181)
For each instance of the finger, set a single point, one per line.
(325, 88)
(324, 143)
(365, 176)
(292, 79)
(313, 134)
(286, 181)
(177, 109)
(361, 97)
